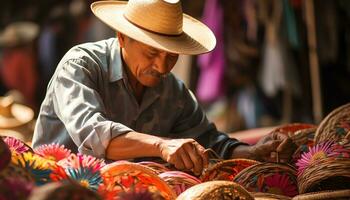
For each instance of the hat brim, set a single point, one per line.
(19, 33)
(21, 116)
(196, 38)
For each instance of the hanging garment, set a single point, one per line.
(210, 82)
(290, 23)
(278, 72)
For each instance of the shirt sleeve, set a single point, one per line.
(79, 105)
(193, 123)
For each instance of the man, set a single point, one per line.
(117, 99)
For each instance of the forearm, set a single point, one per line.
(243, 151)
(133, 145)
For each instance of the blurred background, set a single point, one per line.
(276, 61)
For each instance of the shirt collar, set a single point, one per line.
(115, 63)
(117, 73)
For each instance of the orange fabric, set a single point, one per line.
(18, 71)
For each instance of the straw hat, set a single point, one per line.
(13, 115)
(19, 33)
(157, 23)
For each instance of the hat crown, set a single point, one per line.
(160, 16)
(5, 106)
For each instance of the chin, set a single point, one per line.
(151, 83)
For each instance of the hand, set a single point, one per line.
(273, 145)
(184, 154)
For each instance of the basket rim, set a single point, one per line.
(282, 128)
(115, 169)
(209, 170)
(323, 195)
(310, 170)
(246, 174)
(337, 111)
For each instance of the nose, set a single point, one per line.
(161, 64)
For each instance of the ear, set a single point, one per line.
(121, 39)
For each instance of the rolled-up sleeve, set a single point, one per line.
(79, 105)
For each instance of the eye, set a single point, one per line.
(172, 56)
(151, 54)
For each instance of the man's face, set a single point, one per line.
(147, 64)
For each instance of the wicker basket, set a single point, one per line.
(291, 129)
(269, 196)
(179, 181)
(325, 195)
(226, 170)
(303, 139)
(121, 178)
(335, 126)
(272, 178)
(216, 190)
(157, 167)
(325, 174)
(304, 136)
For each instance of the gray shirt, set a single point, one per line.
(89, 101)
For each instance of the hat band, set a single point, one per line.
(146, 29)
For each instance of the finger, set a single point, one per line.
(273, 157)
(280, 136)
(204, 155)
(270, 146)
(283, 161)
(191, 148)
(186, 159)
(177, 162)
(284, 144)
(287, 146)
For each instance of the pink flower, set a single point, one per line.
(82, 161)
(314, 154)
(280, 184)
(16, 145)
(53, 151)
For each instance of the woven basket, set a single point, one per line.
(304, 136)
(157, 167)
(303, 139)
(325, 174)
(325, 195)
(120, 178)
(226, 170)
(335, 126)
(216, 190)
(269, 196)
(179, 181)
(272, 178)
(291, 129)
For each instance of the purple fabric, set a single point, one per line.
(210, 82)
